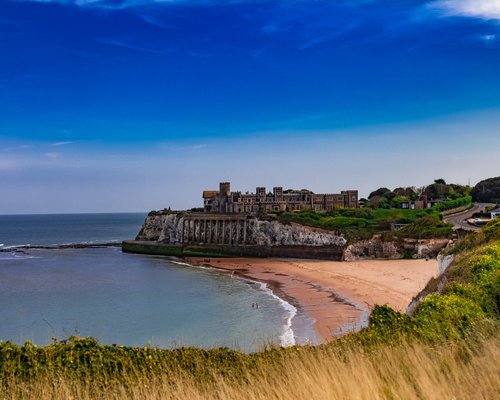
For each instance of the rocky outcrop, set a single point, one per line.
(444, 261)
(378, 247)
(425, 248)
(155, 226)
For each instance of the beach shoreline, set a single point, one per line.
(337, 296)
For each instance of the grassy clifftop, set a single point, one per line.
(362, 223)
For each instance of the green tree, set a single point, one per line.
(379, 192)
(487, 191)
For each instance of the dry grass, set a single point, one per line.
(410, 371)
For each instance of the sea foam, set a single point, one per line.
(288, 336)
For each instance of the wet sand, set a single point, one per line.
(337, 295)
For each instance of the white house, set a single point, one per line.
(495, 213)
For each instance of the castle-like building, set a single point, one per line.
(224, 201)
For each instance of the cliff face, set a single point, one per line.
(168, 229)
(154, 226)
(376, 247)
(265, 233)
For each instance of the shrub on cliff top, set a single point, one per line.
(448, 316)
(427, 227)
(343, 222)
(489, 233)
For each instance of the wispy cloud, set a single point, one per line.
(121, 4)
(484, 9)
(116, 156)
(176, 147)
(488, 38)
(198, 146)
(126, 45)
(52, 155)
(55, 144)
(271, 27)
(192, 53)
(89, 3)
(318, 39)
(149, 19)
(23, 146)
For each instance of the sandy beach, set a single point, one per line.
(337, 295)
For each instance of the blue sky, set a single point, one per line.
(138, 104)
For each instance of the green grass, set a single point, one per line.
(427, 227)
(362, 223)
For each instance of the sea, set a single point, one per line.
(126, 299)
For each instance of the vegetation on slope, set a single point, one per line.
(428, 227)
(471, 295)
(362, 223)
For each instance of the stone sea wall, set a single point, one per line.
(215, 250)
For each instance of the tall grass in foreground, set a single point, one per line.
(461, 370)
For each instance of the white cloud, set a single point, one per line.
(485, 9)
(52, 155)
(85, 2)
(123, 44)
(198, 146)
(56, 144)
(154, 21)
(13, 148)
(488, 38)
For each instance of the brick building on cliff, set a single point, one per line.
(224, 201)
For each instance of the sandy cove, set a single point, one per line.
(338, 295)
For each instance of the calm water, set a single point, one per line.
(54, 229)
(124, 298)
